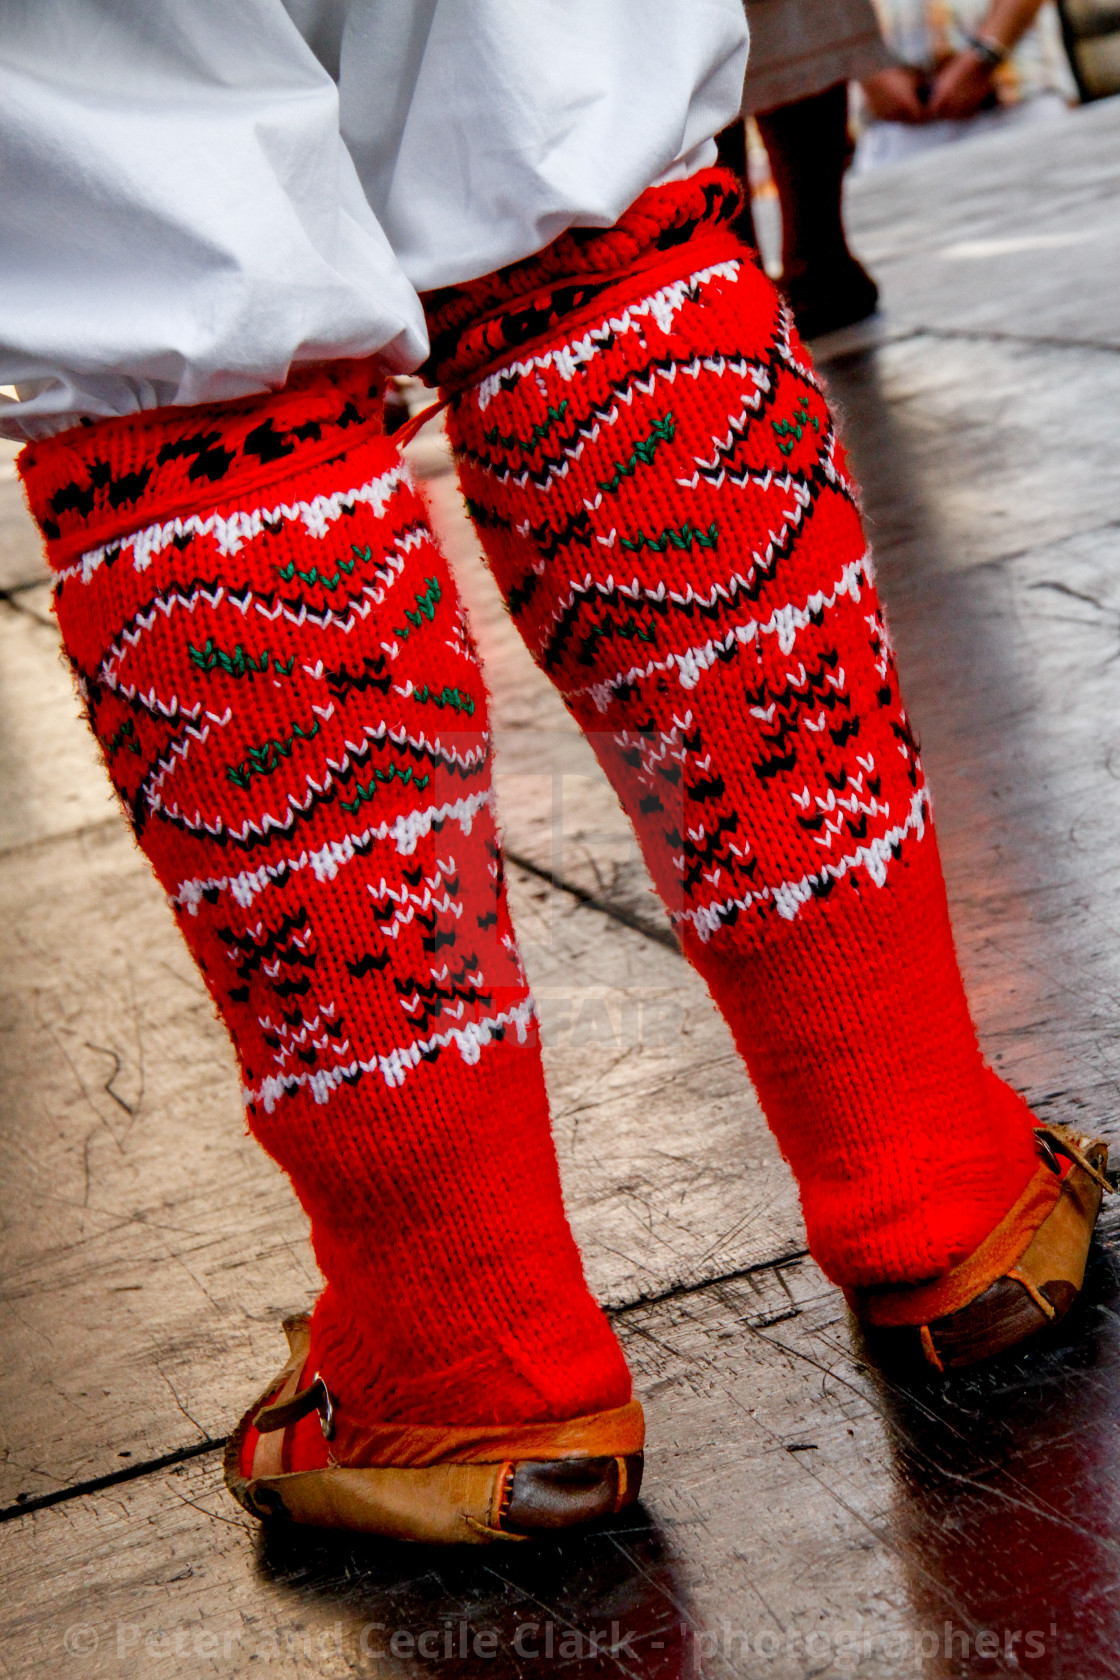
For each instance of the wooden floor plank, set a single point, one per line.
(803, 1516)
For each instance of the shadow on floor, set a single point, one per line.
(1006, 1498)
(1003, 1520)
(605, 1601)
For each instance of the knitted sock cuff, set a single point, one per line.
(473, 325)
(91, 485)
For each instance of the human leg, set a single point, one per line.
(274, 660)
(808, 147)
(731, 150)
(655, 477)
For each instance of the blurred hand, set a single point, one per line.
(961, 87)
(892, 95)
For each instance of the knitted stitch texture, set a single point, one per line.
(275, 663)
(658, 486)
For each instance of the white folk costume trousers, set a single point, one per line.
(194, 195)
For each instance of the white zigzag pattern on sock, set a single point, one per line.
(354, 754)
(358, 609)
(663, 305)
(638, 591)
(784, 622)
(405, 831)
(543, 481)
(788, 898)
(231, 531)
(399, 1063)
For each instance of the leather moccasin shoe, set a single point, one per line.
(1025, 1276)
(438, 1485)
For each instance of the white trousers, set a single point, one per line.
(194, 194)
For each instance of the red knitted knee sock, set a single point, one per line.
(275, 663)
(655, 477)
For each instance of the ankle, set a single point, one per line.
(904, 1222)
(543, 1362)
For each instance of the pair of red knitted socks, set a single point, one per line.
(274, 660)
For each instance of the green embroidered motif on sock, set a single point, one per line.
(238, 663)
(426, 603)
(541, 430)
(314, 576)
(125, 736)
(791, 432)
(687, 537)
(369, 789)
(644, 452)
(628, 632)
(452, 697)
(263, 760)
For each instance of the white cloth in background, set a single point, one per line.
(1034, 84)
(894, 142)
(197, 195)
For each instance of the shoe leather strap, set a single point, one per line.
(1053, 1139)
(601, 1434)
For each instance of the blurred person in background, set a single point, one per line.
(803, 55)
(962, 67)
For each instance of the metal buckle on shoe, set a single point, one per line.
(1053, 1140)
(316, 1397)
(325, 1405)
(1047, 1151)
